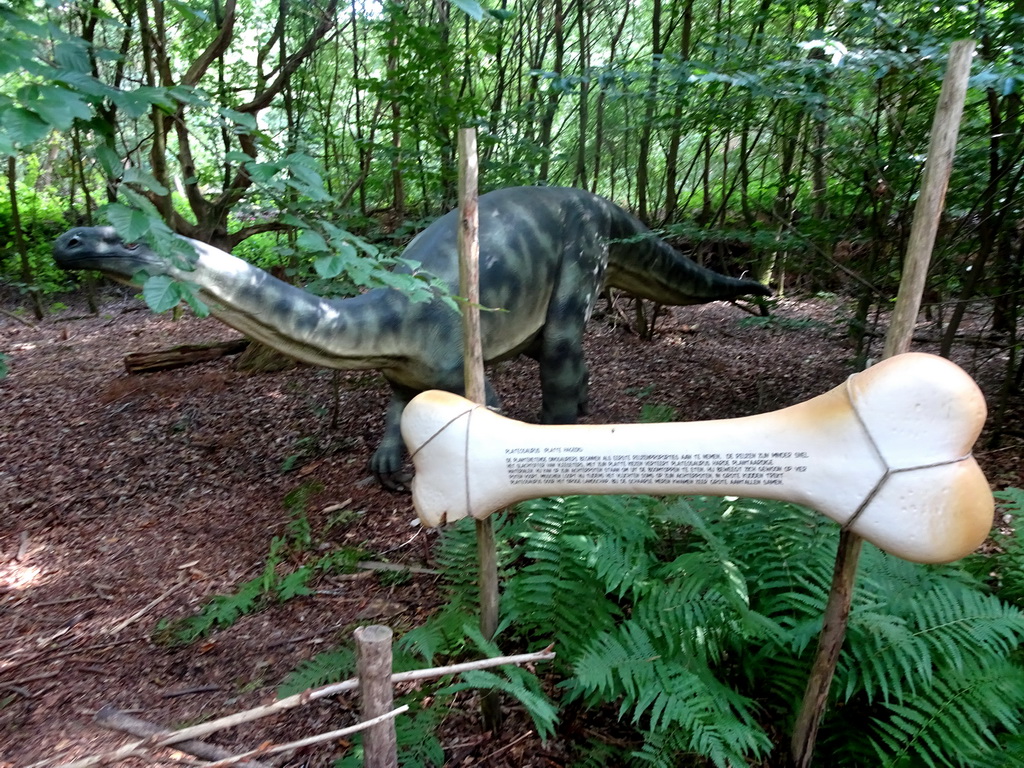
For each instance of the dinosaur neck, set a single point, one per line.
(356, 333)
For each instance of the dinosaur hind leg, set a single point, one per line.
(563, 382)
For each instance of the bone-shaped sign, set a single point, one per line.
(886, 454)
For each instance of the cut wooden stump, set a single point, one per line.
(259, 358)
(179, 357)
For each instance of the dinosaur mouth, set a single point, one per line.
(70, 255)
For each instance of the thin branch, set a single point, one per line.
(314, 41)
(309, 741)
(172, 737)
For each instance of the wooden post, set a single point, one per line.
(934, 182)
(373, 650)
(473, 368)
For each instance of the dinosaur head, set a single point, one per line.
(102, 249)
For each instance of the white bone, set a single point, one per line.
(887, 453)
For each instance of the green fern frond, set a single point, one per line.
(620, 563)
(1003, 569)
(595, 753)
(1010, 753)
(669, 692)
(557, 591)
(953, 721)
(322, 669)
(520, 685)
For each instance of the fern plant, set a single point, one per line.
(697, 621)
(1003, 570)
(271, 584)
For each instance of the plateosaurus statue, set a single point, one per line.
(546, 253)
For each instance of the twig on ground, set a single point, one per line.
(116, 720)
(373, 565)
(116, 629)
(204, 729)
(320, 737)
(505, 748)
(14, 316)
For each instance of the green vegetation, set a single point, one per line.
(784, 141)
(275, 583)
(687, 628)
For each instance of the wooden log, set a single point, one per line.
(181, 356)
(115, 720)
(373, 651)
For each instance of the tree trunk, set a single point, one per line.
(20, 247)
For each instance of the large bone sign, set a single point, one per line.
(886, 454)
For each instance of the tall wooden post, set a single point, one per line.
(934, 182)
(469, 289)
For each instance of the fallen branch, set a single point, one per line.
(179, 357)
(168, 738)
(115, 720)
(320, 737)
(14, 316)
(142, 611)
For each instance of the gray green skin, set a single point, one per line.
(546, 253)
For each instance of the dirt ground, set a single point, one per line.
(126, 499)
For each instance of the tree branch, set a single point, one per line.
(315, 39)
(215, 49)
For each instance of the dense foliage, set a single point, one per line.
(783, 139)
(684, 632)
(786, 138)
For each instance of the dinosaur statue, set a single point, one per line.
(546, 253)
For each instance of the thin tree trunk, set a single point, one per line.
(551, 103)
(27, 277)
(599, 117)
(579, 177)
(643, 168)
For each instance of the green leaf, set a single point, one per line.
(144, 179)
(162, 293)
(130, 223)
(329, 266)
(188, 11)
(243, 119)
(471, 8)
(109, 160)
(191, 297)
(309, 240)
(261, 173)
(72, 55)
(139, 102)
(295, 584)
(60, 107)
(23, 127)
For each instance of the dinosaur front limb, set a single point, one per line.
(886, 454)
(386, 462)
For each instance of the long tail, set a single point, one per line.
(642, 264)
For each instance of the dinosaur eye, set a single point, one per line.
(131, 246)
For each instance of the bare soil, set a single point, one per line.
(125, 499)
